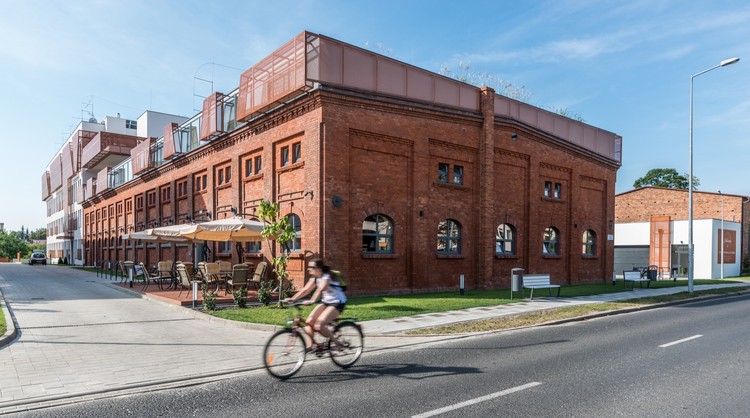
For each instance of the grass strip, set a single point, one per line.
(552, 315)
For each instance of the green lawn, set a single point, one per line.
(382, 307)
(3, 327)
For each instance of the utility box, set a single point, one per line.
(516, 281)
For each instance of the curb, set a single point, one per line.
(11, 332)
(568, 320)
(195, 314)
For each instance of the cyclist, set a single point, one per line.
(332, 303)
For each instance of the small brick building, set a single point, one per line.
(402, 178)
(652, 229)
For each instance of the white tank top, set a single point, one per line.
(333, 293)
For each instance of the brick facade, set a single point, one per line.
(366, 152)
(380, 156)
(641, 204)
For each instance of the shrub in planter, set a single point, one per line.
(264, 292)
(209, 298)
(240, 297)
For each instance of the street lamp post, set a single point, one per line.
(691, 255)
(722, 234)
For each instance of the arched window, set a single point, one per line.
(588, 243)
(449, 237)
(295, 245)
(377, 234)
(505, 240)
(550, 240)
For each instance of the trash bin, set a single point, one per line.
(516, 280)
(129, 267)
(652, 272)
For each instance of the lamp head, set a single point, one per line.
(729, 61)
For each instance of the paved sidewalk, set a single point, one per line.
(80, 337)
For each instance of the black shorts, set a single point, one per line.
(339, 306)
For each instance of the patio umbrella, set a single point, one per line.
(228, 229)
(148, 235)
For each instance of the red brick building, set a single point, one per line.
(402, 178)
(641, 214)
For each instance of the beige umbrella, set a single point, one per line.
(149, 236)
(228, 229)
(174, 231)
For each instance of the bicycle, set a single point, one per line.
(286, 350)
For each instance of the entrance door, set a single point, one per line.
(680, 260)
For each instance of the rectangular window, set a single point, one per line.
(220, 177)
(228, 174)
(225, 247)
(458, 174)
(547, 189)
(131, 124)
(253, 247)
(182, 188)
(258, 166)
(558, 190)
(284, 156)
(200, 182)
(248, 167)
(297, 152)
(443, 169)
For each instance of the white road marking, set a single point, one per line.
(680, 341)
(476, 400)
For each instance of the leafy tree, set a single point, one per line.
(39, 233)
(280, 230)
(11, 244)
(666, 177)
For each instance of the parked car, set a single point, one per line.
(37, 258)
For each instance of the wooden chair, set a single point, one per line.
(238, 279)
(185, 280)
(258, 275)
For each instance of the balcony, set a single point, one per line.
(107, 149)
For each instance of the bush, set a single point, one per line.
(240, 297)
(59, 260)
(209, 298)
(264, 292)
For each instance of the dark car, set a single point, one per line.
(37, 258)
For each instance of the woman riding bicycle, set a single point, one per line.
(332, 303)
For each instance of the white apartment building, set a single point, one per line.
(91, 150)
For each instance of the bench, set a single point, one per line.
(539, 281)
(633, 277)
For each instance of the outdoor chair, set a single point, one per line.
(258, 275)
(143, 272)
(238, 278)
(123, 271)
(211, 275)
(185, 280)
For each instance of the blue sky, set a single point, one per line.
(622, 66)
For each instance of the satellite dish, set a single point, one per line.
(92, 120)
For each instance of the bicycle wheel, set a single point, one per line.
(284, 353)
(351, 343)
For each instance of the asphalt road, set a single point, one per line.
(689, 360)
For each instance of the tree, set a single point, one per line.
(11, 244)
(277, 229)
(38, 234)
(666, 177)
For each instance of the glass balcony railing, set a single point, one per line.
(186, 138)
